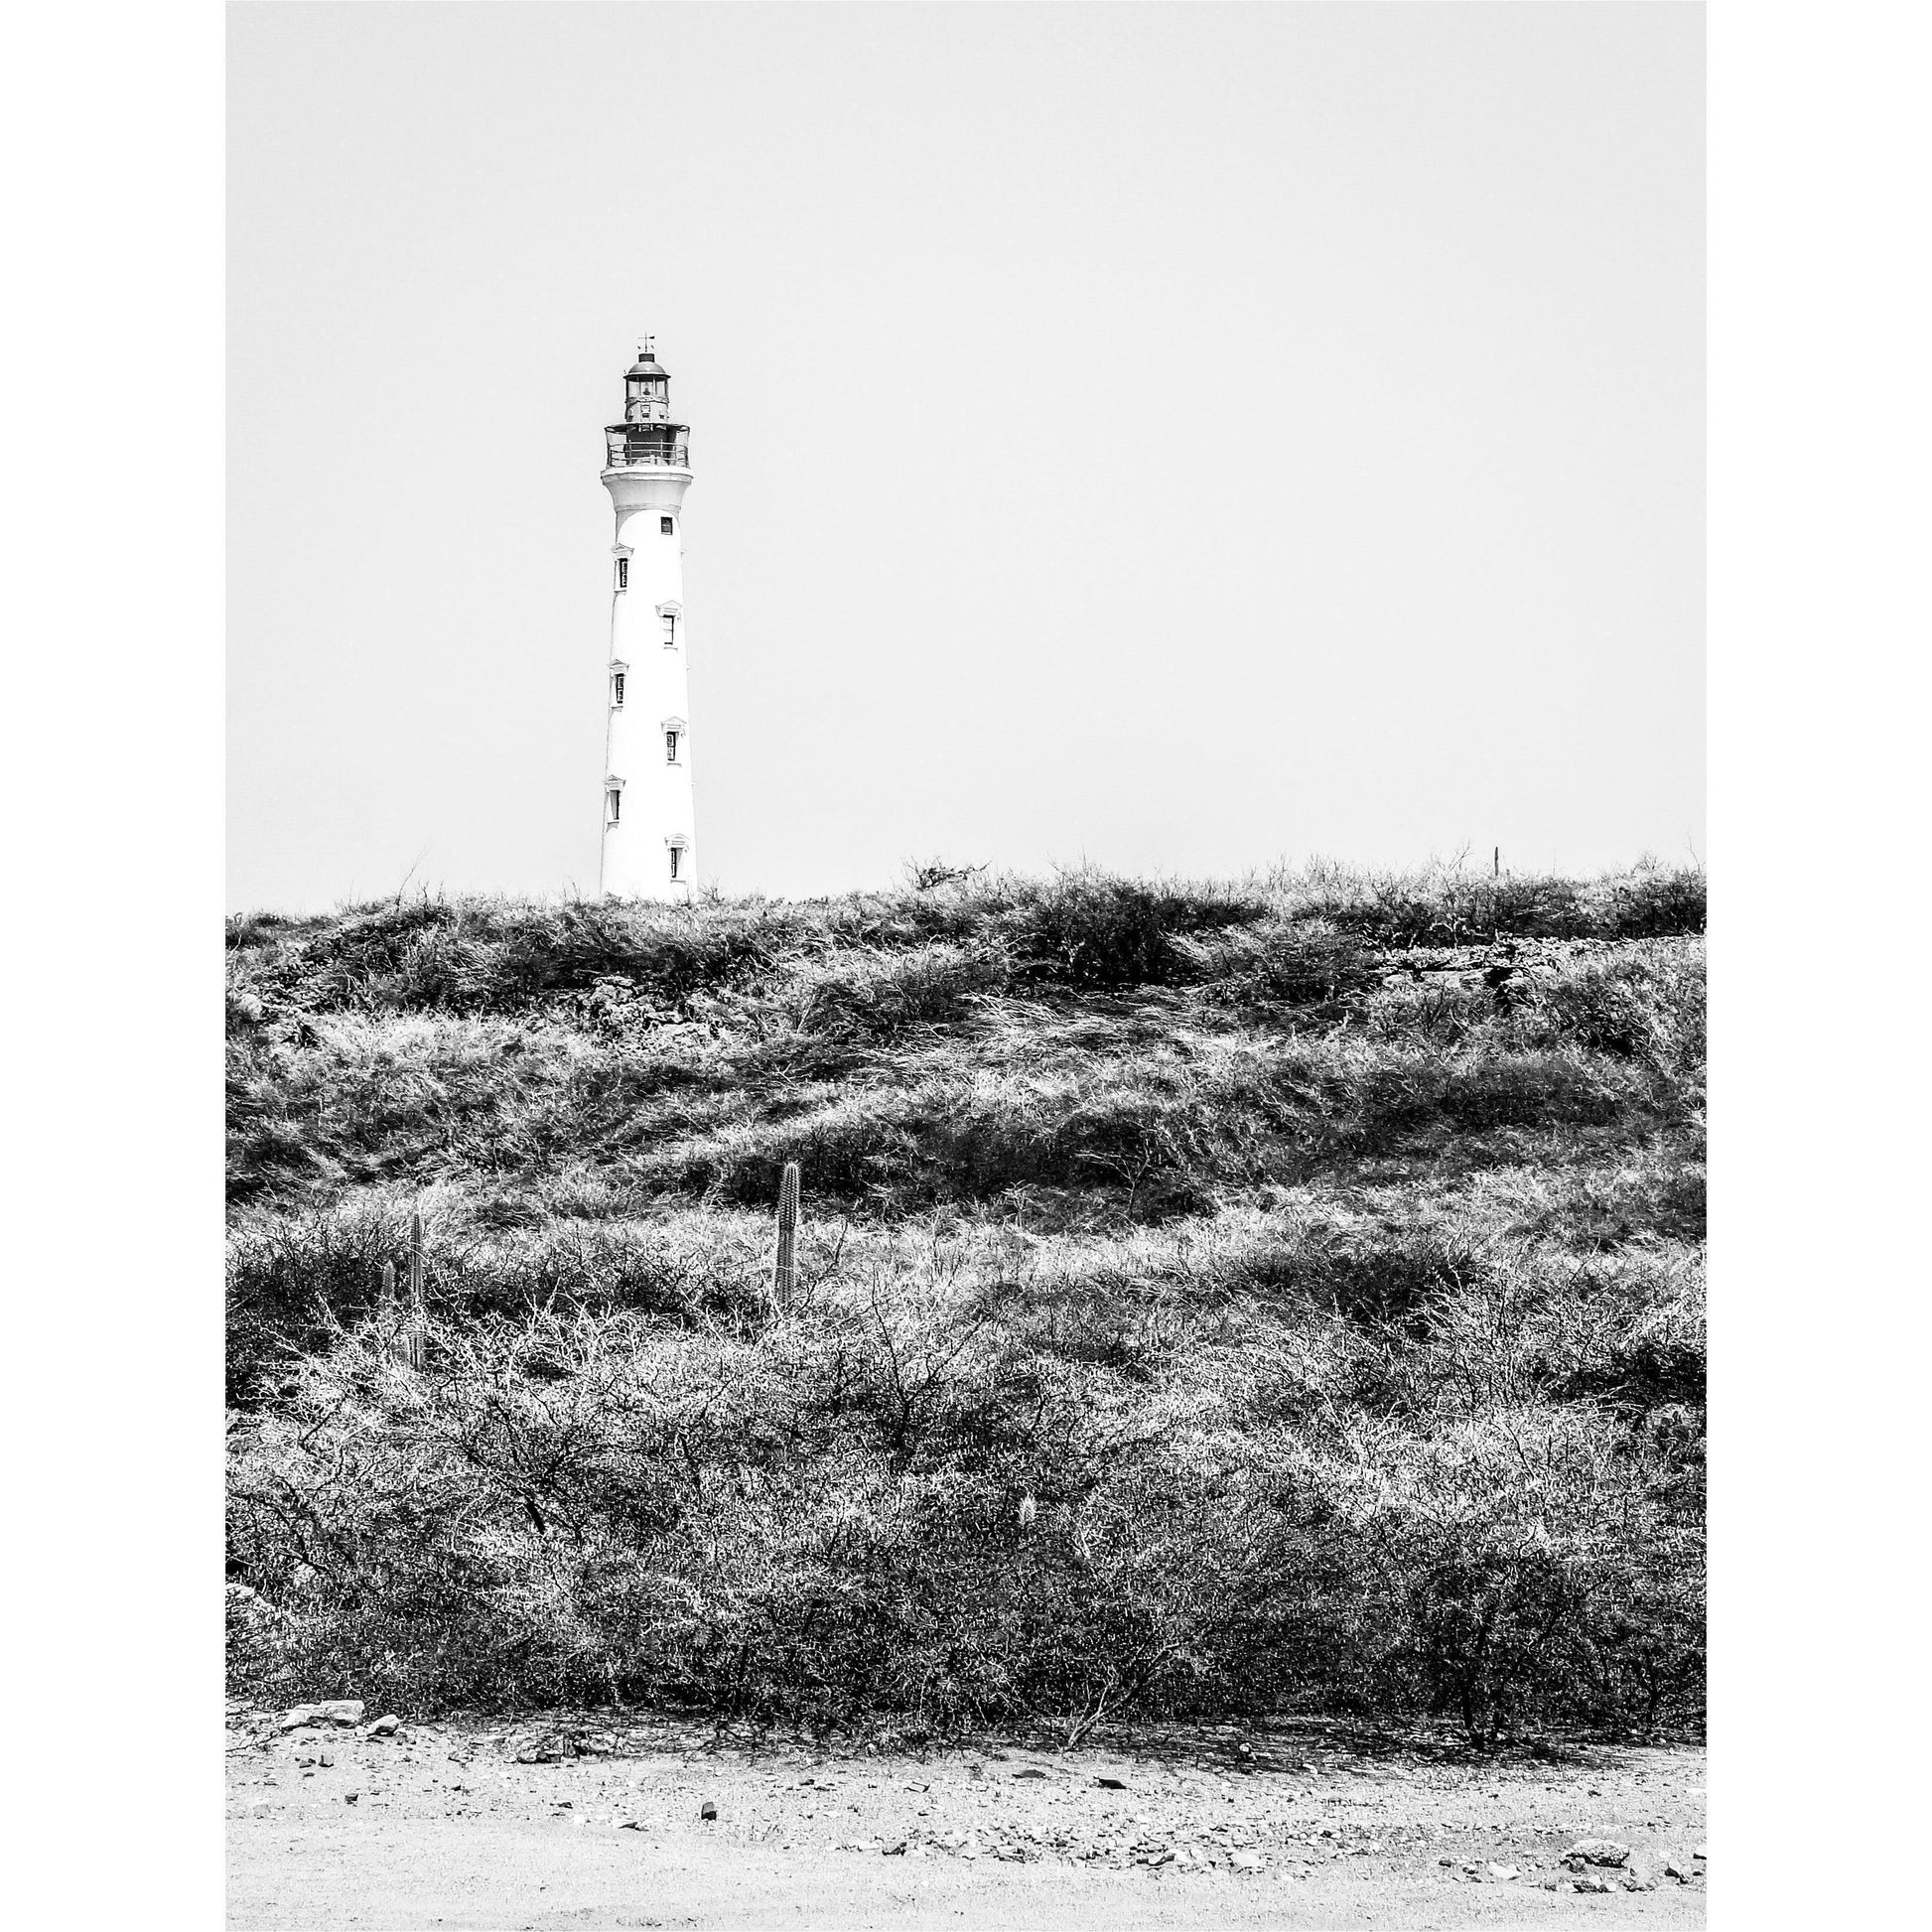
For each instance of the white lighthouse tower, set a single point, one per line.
(647, 825)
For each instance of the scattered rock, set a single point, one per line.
(1505, 1871)
(1030, 1771)
(1599, 1851)
(1590, 1882)
(385, 1726)
(350, 1797)
(1111, 1784)
(342, 1710)
(707, 1810)
(1246, 1860)
(1451, 1863)
(897, 1850)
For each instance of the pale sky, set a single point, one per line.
(1176, 437)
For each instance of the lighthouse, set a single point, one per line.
(647, 825)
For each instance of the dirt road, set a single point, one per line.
(440, 1826)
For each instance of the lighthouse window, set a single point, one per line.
(624, 573)
(665, 525)
(677, 853)
(616, 690)
(670, 747)
(671, 633)
(615, 798)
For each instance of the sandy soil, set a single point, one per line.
(440, 1826)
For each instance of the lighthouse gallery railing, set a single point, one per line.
(676, 458)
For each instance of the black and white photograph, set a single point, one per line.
(957, 757)
(966, 1019)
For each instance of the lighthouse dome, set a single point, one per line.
(646, 387)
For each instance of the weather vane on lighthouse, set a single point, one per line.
(647, 823)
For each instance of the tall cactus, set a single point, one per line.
(416, 1347)
(784, 1274)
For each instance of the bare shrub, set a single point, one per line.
(825, 1517)
(1214, 1298)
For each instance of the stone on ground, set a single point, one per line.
(1599, 1851)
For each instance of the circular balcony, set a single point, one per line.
(635, 445)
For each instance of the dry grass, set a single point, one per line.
(1316, 1257)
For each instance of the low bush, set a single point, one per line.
(1449, 907)
(1212, 1300)
(1088, 931)
(1081, 929)
(928, 1496)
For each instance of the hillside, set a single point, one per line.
(1215, 1299)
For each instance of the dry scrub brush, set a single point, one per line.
(1211, 1297)
(964, 1483)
